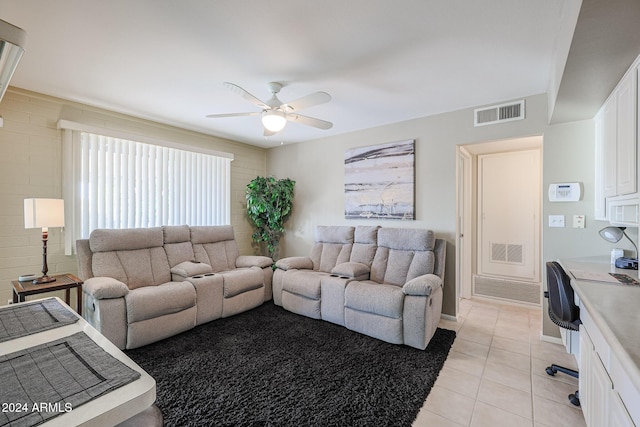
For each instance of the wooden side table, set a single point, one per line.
(63, 282)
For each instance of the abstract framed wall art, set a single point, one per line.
(379, 181)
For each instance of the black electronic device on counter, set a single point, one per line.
(627, 263)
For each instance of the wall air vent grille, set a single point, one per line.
(506, 289)
(498, 113)
(504, 252)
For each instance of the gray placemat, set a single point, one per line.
(20, 320)
(50, 379)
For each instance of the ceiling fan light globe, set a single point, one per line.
(274, 120)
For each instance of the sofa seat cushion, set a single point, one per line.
(241, 280)
(375, 298)
(149, 302)
(305, 283)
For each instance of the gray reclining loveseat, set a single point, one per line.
(382, 282)
(146, 284)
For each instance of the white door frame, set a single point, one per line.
(466, 156)
(464, 223)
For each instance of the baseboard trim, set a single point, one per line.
(553, 340)
(504, 301)
(449, 317)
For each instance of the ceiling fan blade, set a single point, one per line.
(309, 121)
(246, 95)
(216, 116)
(309, 101)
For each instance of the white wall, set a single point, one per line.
(31, 166)
(569, 156)
(30, 161)
(318, 168)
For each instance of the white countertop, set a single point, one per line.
(615, 309)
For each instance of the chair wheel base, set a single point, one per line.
(575, 398)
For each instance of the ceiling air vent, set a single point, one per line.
(498, 113)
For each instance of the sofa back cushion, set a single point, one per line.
(177, 244)
(133, 256)
(215, 245)
(403, 254)
(365, 244)
(332, 246)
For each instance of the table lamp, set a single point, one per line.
(44, 213)
(613, 235)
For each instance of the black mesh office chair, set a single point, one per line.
(563, 312)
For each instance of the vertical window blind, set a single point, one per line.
(120, 183)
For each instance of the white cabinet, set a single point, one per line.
(599, 398)
(594, 384)
(607, 118)
(618, 415)
(584, 381)
(624, 211)
(600, 209)
(616, 128)
(599, 391)
(626, 157)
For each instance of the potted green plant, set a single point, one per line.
(269, 203)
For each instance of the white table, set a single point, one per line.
(108, 410)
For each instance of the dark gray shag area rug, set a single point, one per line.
(270, 367)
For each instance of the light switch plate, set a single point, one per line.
(556, 221)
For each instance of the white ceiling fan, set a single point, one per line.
(276, 113)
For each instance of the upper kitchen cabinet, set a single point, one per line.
(617, 152)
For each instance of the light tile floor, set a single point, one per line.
(495, 373)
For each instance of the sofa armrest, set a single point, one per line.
(422, 285)
(296, 262)
(253, 261)
(104, 288)
(189, 268)
(354, 270)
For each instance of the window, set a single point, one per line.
(113, 182)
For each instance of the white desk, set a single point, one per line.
(610, 313)
(108, 410)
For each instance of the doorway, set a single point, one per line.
(499, 221)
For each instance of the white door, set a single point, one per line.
(508, 214)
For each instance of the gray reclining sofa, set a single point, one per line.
(146, 284)
(382, 282)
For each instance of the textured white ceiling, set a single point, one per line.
(382, 61)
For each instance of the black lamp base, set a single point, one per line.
(44, 279)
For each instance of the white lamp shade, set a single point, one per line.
(43, 213)
(274, 120)
(612, 234)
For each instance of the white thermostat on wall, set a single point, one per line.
(565, 192)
